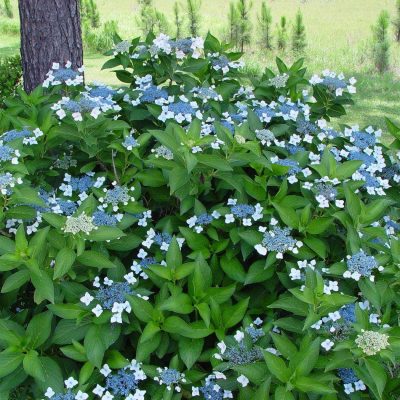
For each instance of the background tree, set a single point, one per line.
(282, 35)
(150, 19)
(299, 42)
(244, 8)
(396, 22)
(194, 17)
(265, 26)
(233, 22)
(178, 19)
(50, 32)
(381, 42)
(8, 10)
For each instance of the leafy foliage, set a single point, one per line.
(10, 76)
(186, 236)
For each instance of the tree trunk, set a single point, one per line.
(50, 32)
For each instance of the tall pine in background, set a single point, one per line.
(381, 42)
(244, 34)
(194, 17)
(265, 26)
(233, 22)
(299, 42)
(178, 20)
(8, 11)
(150, 19)
(396, 22)
(282, 35)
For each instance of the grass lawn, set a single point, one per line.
(338, 35)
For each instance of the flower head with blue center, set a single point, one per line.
(211, 390)
(123, 383)
(117, 196)
(243, 347)
(245, 213)
(351, 382)
(63, 76)
(8, 153)
(278, 240)
(69, 394)
(181, 110)
(140, 267)
(112, 296)
(361, 265)
(198, 222)
(160, 239)
(8, 182)
(171, 378)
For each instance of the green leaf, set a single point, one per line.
(103, 233)
(190, 350)
(232, 315)
(33, 366)
(378, 374)
(277, 366)
(141, 308)
(179, 326)
(311, 385)
(282, 394)
(174, 257)
(64, 260)
(15, 281)
(9, 362)
(233, 268)
(94, 259)
(308, 357)
(180, 303)
(6, 245)
(39, 329)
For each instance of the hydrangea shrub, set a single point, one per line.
(190, 235)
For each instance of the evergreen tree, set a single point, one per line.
(299, 42)
(194, 17)
(244, 34)
(178, 20)
(233, 21)
(282, 35)
(381, 42)
(150, 19)
(94, 14)
(396, 22)
(265, 26)
(8, 9)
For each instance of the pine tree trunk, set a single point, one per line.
(50, 32)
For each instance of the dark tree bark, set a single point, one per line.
(50, 32)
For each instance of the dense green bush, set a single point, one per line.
(10, 76)
(189, 237)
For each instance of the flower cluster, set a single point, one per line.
(69, 394)
(372, 342)
(66, 75)
(245, 213)
(112, 296)
(278, 240)
(361, 265)
(171, 378)
(123, 383)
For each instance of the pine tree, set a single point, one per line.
(194, 17)
(233, 21)
(282, 36)
(396, 22)
(178, 20)
(244, 34)
(299, 42)
(150, 19)
(94, 14)
(265, 26)
(8, 9)
(381, 42)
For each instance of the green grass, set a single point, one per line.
(338, 35)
